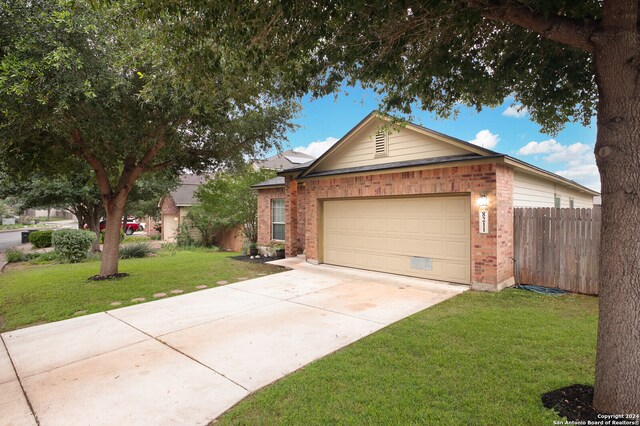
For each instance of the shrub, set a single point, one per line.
(14, 255)
(135, 250)
(25, 220)
(183, 237)
(72, 244)
(50, 256)
(40, 239)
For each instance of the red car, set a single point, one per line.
(132, 226)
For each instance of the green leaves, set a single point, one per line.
(227, 200)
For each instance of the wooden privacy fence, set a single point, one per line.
(557, 248)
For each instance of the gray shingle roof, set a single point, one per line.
(184, 195)
(285, 160)
(276, 181)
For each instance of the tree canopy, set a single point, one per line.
(436, 55)
(128, 96)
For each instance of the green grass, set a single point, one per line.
(130, 239)
(21, 226)
(479, 358)
(37, 294)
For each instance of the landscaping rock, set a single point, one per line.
(138, 299)
(253, 259)
(177, 291)
(80, 312)
(223, 282)
(242, 278)
(158, 295)
(116, 303)
(200, 287)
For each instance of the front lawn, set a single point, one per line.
(479, 358)
(36, 294)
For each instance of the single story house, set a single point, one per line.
(174, 208)
(408, 200)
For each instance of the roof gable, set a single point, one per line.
(364, 146)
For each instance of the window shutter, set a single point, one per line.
(381, 144)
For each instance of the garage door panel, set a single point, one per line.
(456, 227)
(456, 249)
(385, 234)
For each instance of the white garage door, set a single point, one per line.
(427, 237)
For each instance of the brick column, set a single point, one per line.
(290, 216)
(504, 217)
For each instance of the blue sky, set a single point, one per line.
(502, 129)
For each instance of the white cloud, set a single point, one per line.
(571, 153)
(486, 139)
(515, 111)
(317, 148)
(544, 147)
(580, 162)
(584, 174)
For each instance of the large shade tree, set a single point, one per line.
(128, 96)
(563, 60)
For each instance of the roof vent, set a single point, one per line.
(381, 142)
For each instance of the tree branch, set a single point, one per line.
(94, 162)
(156, 167)
(562, 29)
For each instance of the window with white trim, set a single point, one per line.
(557, 201)
(277, 219)
(571, 203)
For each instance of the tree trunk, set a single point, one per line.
(617, 385)
(93, 223)
(114, 209)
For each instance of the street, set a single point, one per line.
(13, 238)
(9, 239)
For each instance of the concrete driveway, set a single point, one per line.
(187, 359)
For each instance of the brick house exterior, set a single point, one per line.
(348, 172)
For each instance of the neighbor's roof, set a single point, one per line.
(285, 160)
(184, 195)
(271, 183)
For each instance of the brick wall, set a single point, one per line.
(168, 206)
(302, 204)
(290, 216)
(264, 213)
(489, 252)
(504, 201)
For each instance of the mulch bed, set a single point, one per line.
(261, 259)
(573, 402)
(108, 277)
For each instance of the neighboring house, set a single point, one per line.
(175, 206)
(284, 160)
(409, 201)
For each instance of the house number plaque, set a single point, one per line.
(484, 222)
